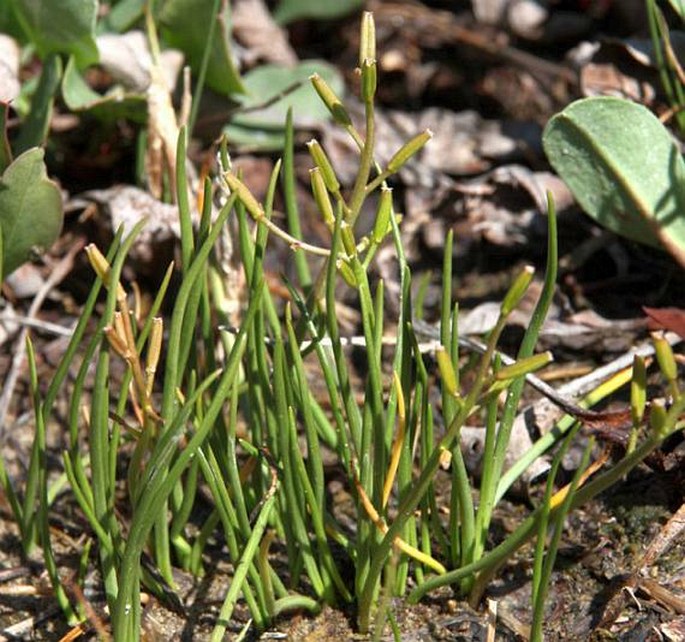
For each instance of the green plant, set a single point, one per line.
(30, 210)
(289, 10)
(620, 162)
(65, 37)
(180, 425)
(633, 184)
(391, 435)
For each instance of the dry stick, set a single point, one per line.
(562, 396)
(38, 324)
(58, 273)
(668, 534)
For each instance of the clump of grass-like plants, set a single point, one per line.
(181, 421)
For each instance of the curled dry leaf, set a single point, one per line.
(672, 319)
(621, 69)
(263, 39)
(9, 68)
(127, 58)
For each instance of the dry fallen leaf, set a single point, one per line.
(672, 319)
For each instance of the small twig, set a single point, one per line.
(492, 621)
(38, 324)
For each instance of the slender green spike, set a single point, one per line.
(448, 376)
(638, 390)
(332, 102)
(382, 225)
(369, 80)
(408, 150)
(524, 366)
(517, 290)
(327, 172)
(320, 193)
(367, 38)
(658, 418)
(667, 364)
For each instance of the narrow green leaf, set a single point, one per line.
(34, 130)
(184, 25)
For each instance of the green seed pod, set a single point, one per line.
(245, 195)
(367, 39)
(448, 377)
(321, 160)
(664, 355)
(323, 202)
(657, 418)
(332, 102)
(638, 390)
(99, 263)
(524, 366)
(407, 150)
(348, 240)
(382, 224)
(369, 79)
(517, 290)
(154, 351)
(347, 273)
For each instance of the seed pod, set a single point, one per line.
(332, 102)
(154, 350)
(517, 290)
(638, 390)
(102, 269)
(367, 39)
(369, 80)
(245, 195)
(347, 273)
(327, 172)
(448, 377)
(664, 355)
(323, 202)
(524, 366)
(408, 150)
(657, 418)
(381, 226)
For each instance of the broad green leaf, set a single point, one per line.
(121, 16)
(265, 128)
(184, 25)
(623, 168)
(255, 138)
(289, 10)
(30, 209)
(67, 26)
(116, 103)
(34, 130)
